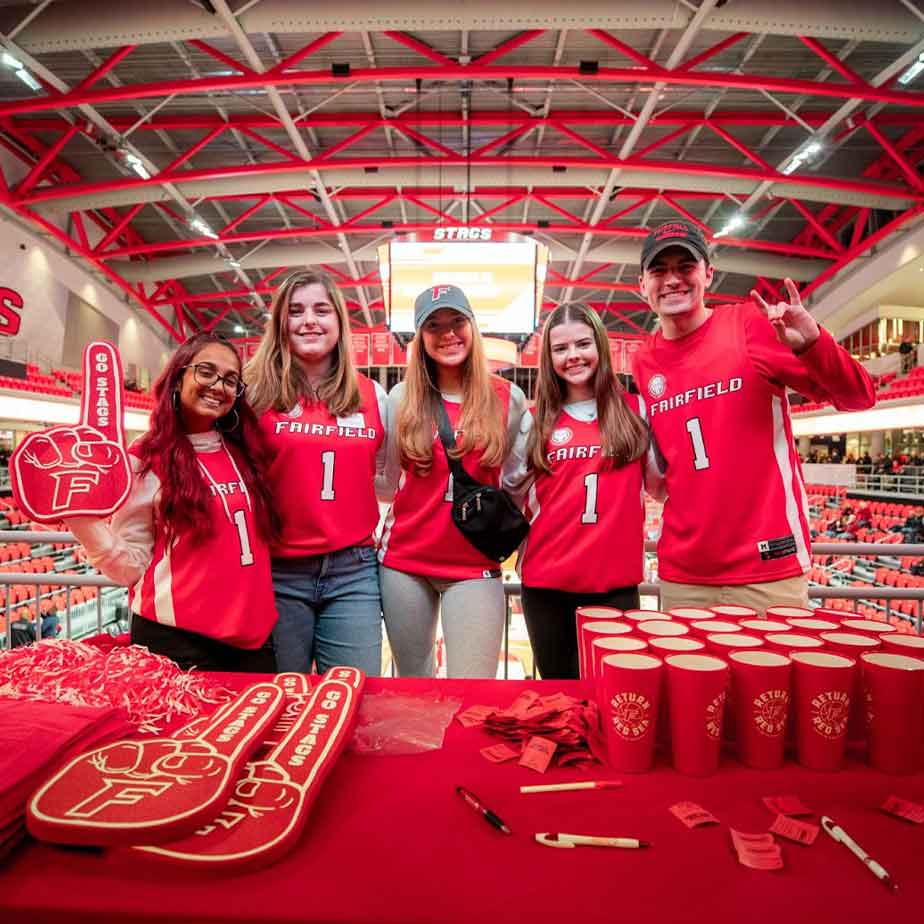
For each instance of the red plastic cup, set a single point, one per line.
(822, 685)
(763, 626)
(591, 630)
(595, 614)
(705, 627)
(785, 642)
(697, 686)
(788, 612)
(912, 645)
(690, 613)
(613, 644)
(826, 612)
(853, 645)
(760, 697)
(661, 628)
(630, 686)
(637, 616)
(734, 611)
(723, 644)
(894, 687)
(683, 643)
(867, 627)
(812, 624)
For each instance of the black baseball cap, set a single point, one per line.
(436, 297)
(674, 234)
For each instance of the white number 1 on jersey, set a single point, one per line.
(590, 499)
(240, 521)
(327, 482)
(700, 459)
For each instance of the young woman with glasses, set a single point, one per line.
(589, 453)
(323, 422)
(429, 569)
(193, 537)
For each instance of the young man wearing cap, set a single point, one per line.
(429, 569)
(735, 524)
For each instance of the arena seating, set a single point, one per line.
(64, 383)
(888, 387)
(827, 504)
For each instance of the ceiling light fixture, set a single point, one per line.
(913, 71)
(134, 162)
(19, 69)
(202, 226)
(733, 224)
(811, 149)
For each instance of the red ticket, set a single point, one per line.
(522, 704)
(538, 754)
(903, 808)
(498, 753)
(474, 715)
(693, 815)
(786, 805)
(757, 851)
(802, 832)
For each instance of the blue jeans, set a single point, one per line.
(330, 611)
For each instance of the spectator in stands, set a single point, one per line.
(324, 424)
(585, 466)
(193, 536)
(735, 528)
(866, 459)
(429, 568)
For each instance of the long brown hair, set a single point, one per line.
(275, 380)
(481, 421)
(623, 434)
(184, 495)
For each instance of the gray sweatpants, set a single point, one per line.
(472, 612)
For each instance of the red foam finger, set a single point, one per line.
(157, 789)
(270, 806)
(81, 470)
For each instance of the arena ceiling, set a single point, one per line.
(193, 153)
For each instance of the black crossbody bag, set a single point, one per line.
(485, 515)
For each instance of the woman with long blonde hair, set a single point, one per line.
(587, 453)
(324, 424)
(428, 566)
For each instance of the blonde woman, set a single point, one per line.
(586, 453)
(323, 422)
(428, 567)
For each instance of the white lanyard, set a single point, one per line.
(214, 483)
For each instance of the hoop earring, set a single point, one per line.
(234, 426)
(175, 399)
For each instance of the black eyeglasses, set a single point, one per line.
(206, 374)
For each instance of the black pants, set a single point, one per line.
(189, 649)
(550, 624)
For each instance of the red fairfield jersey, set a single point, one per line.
(322, 475)
(582, 512)
(419, 536)
(220, 586)
(736, 508)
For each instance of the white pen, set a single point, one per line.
(565, 787)
(842, 837)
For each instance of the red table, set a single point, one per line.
(389, 840)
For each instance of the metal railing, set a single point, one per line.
(105, 610)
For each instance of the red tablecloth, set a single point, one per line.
(389, 840)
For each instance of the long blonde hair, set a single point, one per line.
(482, 422)
(623, 434)
(275, 380)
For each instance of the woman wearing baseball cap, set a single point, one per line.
(428, 567)
(323, 422)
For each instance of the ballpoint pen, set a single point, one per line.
(471, 799)
(842, 837)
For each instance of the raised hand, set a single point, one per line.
(793, 324)
(81, 470)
